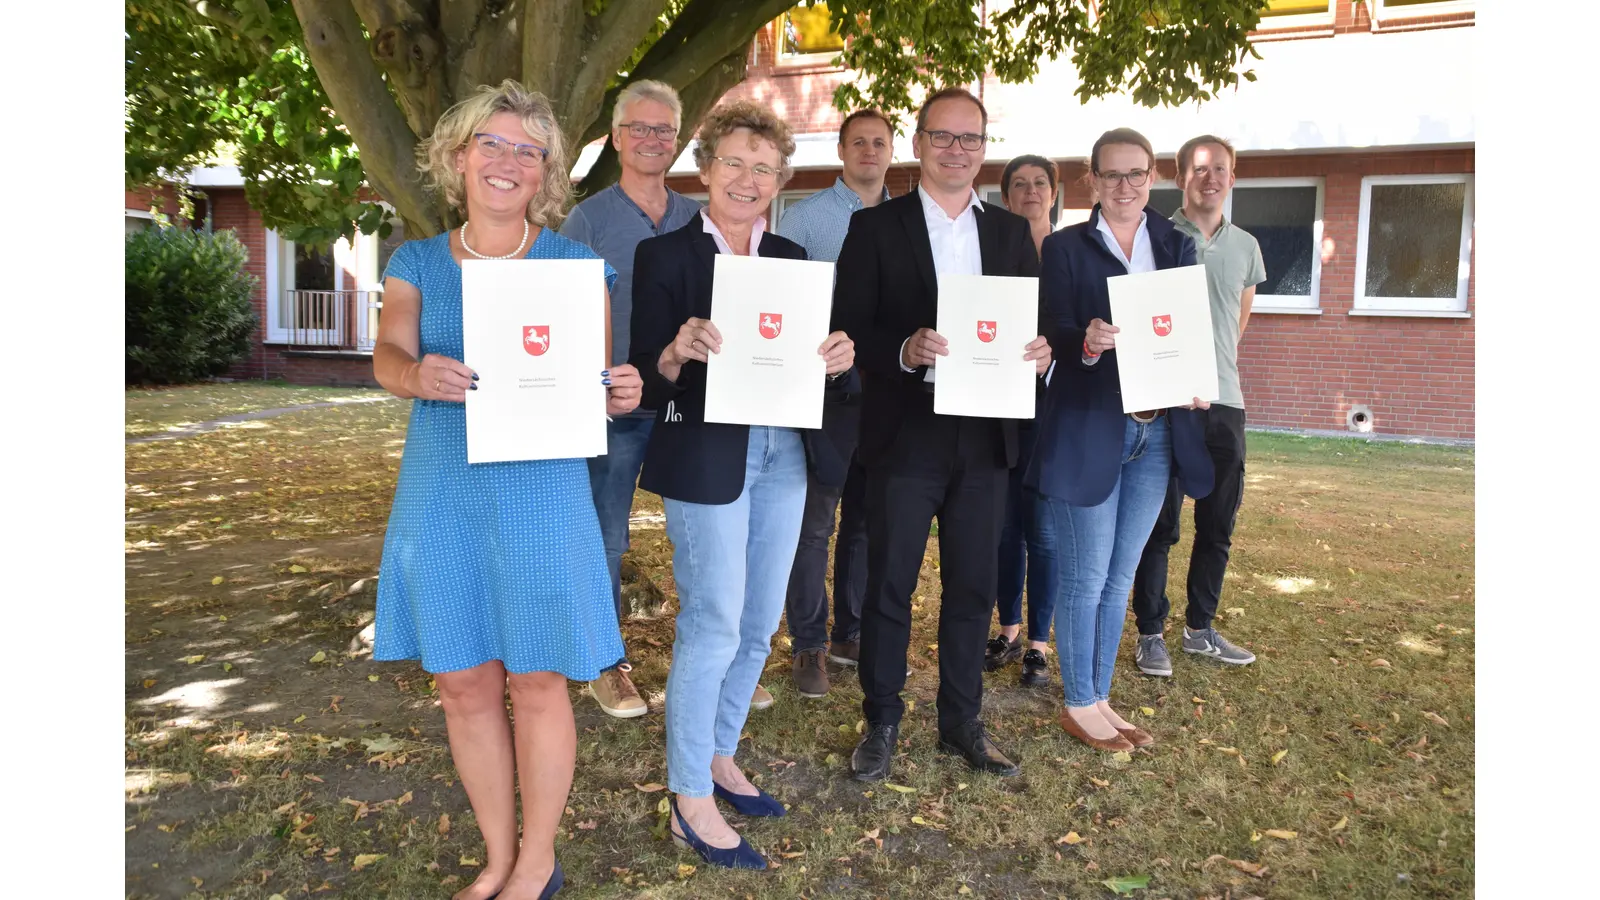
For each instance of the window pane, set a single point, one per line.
(313, 271)
(809, 29)
(1414, 240)
(1295, 7)
(387, 246)
(1283, 221)
(1167, 200)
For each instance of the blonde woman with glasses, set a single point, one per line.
(493, 575)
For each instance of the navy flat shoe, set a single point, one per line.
(743, 856)
(762, 804)
(557, 881)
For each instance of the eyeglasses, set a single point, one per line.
(943, 139)
(763, 173)
(641, 131)
(494, 146)
(1135, 178)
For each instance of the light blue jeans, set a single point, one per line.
(731, 564)
(612, 479)
(1097, 549)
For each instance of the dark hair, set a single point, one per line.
(948, 94)
(1122, 136)
(1186, 152)
(868, 112)
(1049, 167)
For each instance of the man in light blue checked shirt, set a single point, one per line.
(818, 223)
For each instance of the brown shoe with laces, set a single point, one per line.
(615, 693)
(810, 674)
(1070, 726)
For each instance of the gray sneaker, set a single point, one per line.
(1151, 655)
(1219, 648)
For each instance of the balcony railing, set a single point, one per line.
(332, 320)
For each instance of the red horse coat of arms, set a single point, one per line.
(771, 325)
(986, 331)
(1162, 325)
(536, 339)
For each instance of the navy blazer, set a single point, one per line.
(688, 458)
(1080, 428)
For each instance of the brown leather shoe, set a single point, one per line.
(1137, 736)
(1071, 727)
(810, 674)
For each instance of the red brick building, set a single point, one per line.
(1355, 171)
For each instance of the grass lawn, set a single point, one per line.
(155, 410)
(268, 755)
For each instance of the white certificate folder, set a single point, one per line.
(773, 316)
(989, 321)
(534, 331)
(1166, 352)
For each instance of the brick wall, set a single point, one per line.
(339, 371)
(229, 210)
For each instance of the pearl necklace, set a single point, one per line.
(469, 249)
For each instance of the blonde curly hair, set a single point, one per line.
(436, 155)
(757, 117)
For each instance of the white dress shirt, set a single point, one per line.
(1144, 259)
(955, 247)
(722, 243)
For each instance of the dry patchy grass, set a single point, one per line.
(254, 771)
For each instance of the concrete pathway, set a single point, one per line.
(225, 421)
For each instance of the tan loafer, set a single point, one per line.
(1137, 736)
(1113, 744)
(761, 699)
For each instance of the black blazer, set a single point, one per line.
(1078, 453)
(887, 288)
(688, 458)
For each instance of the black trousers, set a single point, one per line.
(951, 469)
(1214, 519)
(807, 603)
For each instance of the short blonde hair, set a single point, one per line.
(437, 154)
(659, 91)
(757, 117)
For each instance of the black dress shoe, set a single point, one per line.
(1035, 669)
(970, 741)
(871, 759)
(1000, 652)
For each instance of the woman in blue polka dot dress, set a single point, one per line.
(493, 574)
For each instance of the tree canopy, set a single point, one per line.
(317, 99)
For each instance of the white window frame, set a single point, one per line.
(1290, 303)
(984, 189)
(1383, 15)
(785, 59)
(1297, 20)
(362, 259)
(1442, 307)
(144, 214)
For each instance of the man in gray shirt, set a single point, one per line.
(818, 223)
(644, 130)
(1234, 267)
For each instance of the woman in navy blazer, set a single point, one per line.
(1103, 474)
(734, 494)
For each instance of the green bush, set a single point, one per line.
(188, 305)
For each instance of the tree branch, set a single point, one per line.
(552, 44)
(698, 99)
(481, 42)
(612, 37)
(411, 53)
(354, 86)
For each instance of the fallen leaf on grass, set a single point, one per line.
(1339, 825)
(1436, 719)
(1099, 782)
(297, 569)
(444, 823)
(319, 656)
(1147, 710)
(372, 678)
(468, 862)
(650, 788)
(198, 657)
(1122, 756)
(918, 820)
(1281, 835)
(300, 718)
(1127, 884)
(1254, 870)
(588, 826)
(149, 683)
(227, 667)
(1380, 663)
(1278, 757)
(383, 743)
(218, 580)
(1070, 837)
(366, 859)
(899, 788)
(963, 890)
(684, 871)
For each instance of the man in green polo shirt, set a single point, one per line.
(1233, 269)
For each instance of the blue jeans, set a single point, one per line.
(731, 563)
(612, 480)
(1023, 554)
(1097, 549)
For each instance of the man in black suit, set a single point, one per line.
(920, 465)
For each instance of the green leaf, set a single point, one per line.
(1127, 884)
